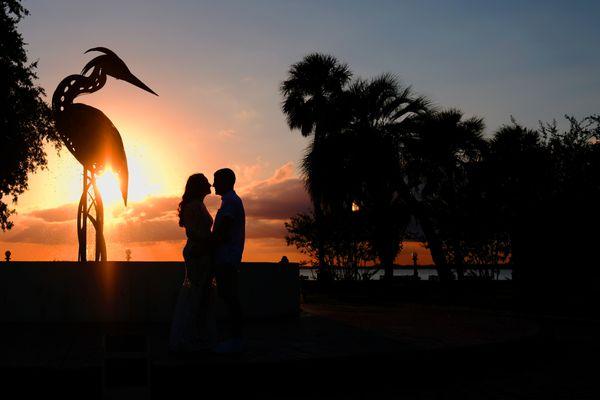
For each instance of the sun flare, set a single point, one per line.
(108, 184)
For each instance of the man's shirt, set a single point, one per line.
(230, 250)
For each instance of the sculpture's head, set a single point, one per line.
(110, 64)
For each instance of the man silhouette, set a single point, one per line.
(228, 238)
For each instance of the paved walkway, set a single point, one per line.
(322, 331)
(330, 351)
(428, 326)
(72, 346)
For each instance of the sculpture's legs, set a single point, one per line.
(99, 223)
(94, 211)
(82, 216)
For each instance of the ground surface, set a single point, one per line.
(334, 349)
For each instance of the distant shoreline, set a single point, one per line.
(428, 267)
(396, 267)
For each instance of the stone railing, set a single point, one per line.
(130, 291)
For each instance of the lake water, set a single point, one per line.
(424, 273)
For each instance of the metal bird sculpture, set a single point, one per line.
(93, 139)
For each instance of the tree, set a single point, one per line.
(380, 111)
(570, 210)
(25, 119)
(543, 185)
(358, 162)
(378, 146)
(346, 247)
(439, 153)
(311, 103)
(518, 183)
(473, 233)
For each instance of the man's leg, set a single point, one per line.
(227, 287)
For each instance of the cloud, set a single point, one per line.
(151, 220)
(277, 201)
(227, 134)
(282, 173)
(278, 197)
(66, 212)
(246, 115)
(247, 173)
(40, 231)
(153, 230)
(150, 208)
(263, 228)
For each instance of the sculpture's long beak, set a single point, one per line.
(136, 82)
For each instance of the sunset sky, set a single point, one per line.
(217, 67)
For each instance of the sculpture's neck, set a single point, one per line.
(74, 85)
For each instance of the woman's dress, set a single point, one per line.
(193, 323)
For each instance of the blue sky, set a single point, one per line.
(531, 59)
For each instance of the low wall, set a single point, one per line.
(130, 291)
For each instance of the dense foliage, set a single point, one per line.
(345, 242)
(524, 196)
(25, 119)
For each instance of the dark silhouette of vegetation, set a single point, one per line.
(379, 116)
(312, 105)
(522, 196)
(357, 123)
(438, 155)
(25, 118)
(345, 247)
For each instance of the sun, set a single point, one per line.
(142, 184)
(108, 184)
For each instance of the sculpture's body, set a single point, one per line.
(92, 138)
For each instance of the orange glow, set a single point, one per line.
(108, 184)
(269, 250)
(166, 139)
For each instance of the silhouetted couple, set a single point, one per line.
(211, 251)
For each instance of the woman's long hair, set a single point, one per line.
(195, 189)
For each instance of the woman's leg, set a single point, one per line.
(201, 282)
(180, 326)
(192, 267)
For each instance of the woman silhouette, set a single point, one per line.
(192, 327)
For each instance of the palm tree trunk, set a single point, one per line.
(324, 273)
(433, 240)
(435, 246)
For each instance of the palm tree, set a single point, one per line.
(381, 113)
(366, 169)
(438, 154)
(311, 104)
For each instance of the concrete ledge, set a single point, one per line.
(130, 291)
